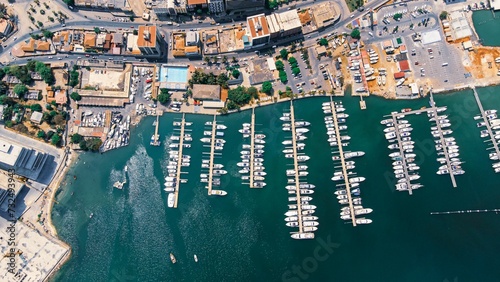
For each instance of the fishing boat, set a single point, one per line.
(172, 258)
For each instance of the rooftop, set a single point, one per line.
(257, 26)
(196, 2)
(146, 37)
(206, 92)
(325, 12)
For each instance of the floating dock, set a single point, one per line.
(487, 123)
(342, 162)
(155, 140)
(296, 167)
(402, 153)
(252, 149)
(212, 153)
(179, 161)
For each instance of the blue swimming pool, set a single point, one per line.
(171, 74)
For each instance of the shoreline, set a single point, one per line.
(73, 156)
(54, 187)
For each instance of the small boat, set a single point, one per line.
(91, 215)
(195, 258)
(171, 201)
(219, 193)
(172, 258)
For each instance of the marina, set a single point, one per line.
(490, 121)
(300, 213)
(344, 192)
(181, 159)
(213, 169)
(252, 155)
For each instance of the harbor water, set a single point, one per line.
(243, 236)
(486, 24)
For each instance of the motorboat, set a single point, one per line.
(300, 236)
(170, 203)
(219, 193)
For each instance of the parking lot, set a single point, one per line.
(307, 80)
(438, 64)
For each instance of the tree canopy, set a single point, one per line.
(355, 33)
(20, 90)
(279, 65)
(284, 53)
(75, 96)
(163, 97)
(323, 42)
(239, 96)
(76, 138)
(267, 87)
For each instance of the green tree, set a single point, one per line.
(292, 60)
(443, 15)
(206, 59)
(267, 87)
(69, 2)
(40, 134)
(83, 145)
(20, 90)
(283, 76)
(164, 96)
(94, 144)
(271, 4)
(355, 33)
(234, 60)
(253, 92)
(76, 138)
(73, 78)
(235, 73)
(279, 65)
(231, 105)
(224, 59)
(295, 70)
(284, 53)
(323, 42)
(97, 30)
(239, 95)
(55, 139)
(36, 108)
(47, 34)
(75, 96)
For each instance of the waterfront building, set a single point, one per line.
(194, 5)
(24, 161)
(216, 6)
(257, 31)
(170, 7)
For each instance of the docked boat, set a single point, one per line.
(219, 193)
(170, 203)
(301, 236)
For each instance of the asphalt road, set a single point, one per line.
(192, 25)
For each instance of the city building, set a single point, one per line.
(5, 27)
(495, 4)
(236, 6)
(35, 45)
(257, 31)
(103, 4)
(216, 6)
(459, 26)
(25, 162)
(325, 14)
(206, 92)
(170, 7)
(192, 38)
(284, 24)
(194, 5)
(148, 40)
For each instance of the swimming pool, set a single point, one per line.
(173, 74)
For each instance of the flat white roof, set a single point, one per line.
(431, 37)
(495, 4)
(9, 152)
(271, 64)
(214, 104)
(39, 255)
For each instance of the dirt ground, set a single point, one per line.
(483, 64)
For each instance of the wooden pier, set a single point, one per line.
(212, 153)
(486, 121)
(296, 168)
(402, 153)
(252, 149)
(179, 161)
(342, 162)
(156, 136)
(443, 143)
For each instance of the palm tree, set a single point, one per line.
(224, 59)
(207, 59)
(215, 59)
(234, 60)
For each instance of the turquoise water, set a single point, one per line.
(487, 24)
(243, 236)
(173, 74)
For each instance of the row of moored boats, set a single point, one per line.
(252, 159)
(348, 191)
(176, 161)
(300, 212)
(208, 166)
(494, 125)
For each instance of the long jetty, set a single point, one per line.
(342, 162)
(402, 153)
(156, 137)
(466, 211)
(443, 143)
(212, 153)
(485, 118)
(252, 149)
(296, 167)
(179, 161)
